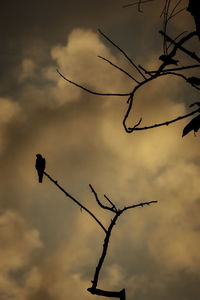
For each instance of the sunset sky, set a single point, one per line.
(49, 249)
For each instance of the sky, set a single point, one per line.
(49, 249)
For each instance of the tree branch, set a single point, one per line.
(90, 91)
(113, 208)
(131, 129)
(113, 205)
(171, 69)
(93, 289)
(130, 105)
(105, 247)
(121, 294)
(137, 205)
(123, 52)
(135, 3)
(178, 45)
(76, 201)
(122, 70)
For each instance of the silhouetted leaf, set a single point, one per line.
(193, 8)
(195, 103)
(194, 80)
(194, 124)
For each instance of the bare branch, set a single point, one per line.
(123, 52)
(175, 6)
(135, 3)
(121, 294)
(94, 290)
(90, 91)
(131, 129)
(130, 102)
(178, 12)
(137, 205)
(104, 251)
(113, 205)
(172, 69)
(137, 124)
(177, 37)
(76, 201)
(113, 208)
(145, 71)
(122, 70)
(105, 248)
(178, 45)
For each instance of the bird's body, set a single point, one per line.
(194, 124)
(168, 60)
(40, 166)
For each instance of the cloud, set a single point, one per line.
(79, 61)
(18, 243)
(28, 68)
(10, 110)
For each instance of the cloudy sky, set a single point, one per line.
(48, 248)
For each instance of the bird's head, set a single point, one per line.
(38, 155)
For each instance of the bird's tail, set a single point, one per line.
(40, 178)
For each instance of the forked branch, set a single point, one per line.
(93, 289)
(168, 58)
(76, 201)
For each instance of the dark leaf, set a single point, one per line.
(195, 103)
(194, 80)
(194, 124)
(193, 8)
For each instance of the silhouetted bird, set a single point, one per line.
(194, 80)
(40, 166)
(168, 60)
(194, 124)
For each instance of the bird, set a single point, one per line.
(168, 60)
(40, 166)
(194, 124)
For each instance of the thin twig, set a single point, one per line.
(122, 51)
(90, 91)
(138, 205)
(175, 6)
(135, 3)
(99, 202)
(113, 205)
(178, 12)
(178, 45)
(76, 201)
(177, 37)
(131, 129)
(145, 71)
(122, 70)
(172, 69)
